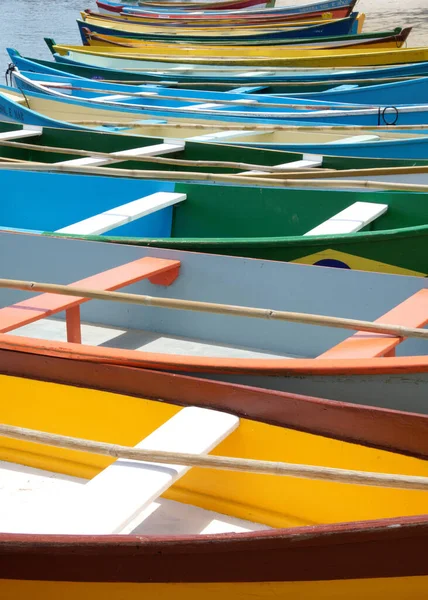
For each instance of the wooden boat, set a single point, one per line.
(379, 428)
(330, 9)
(114, 7)
(123, 23)
(128, 23)
(394, 93)
(51, 146)
(134, 59)
(166, 538)
(261, 81)
(353, 368)
(91, 29)
(297, 112)
(390, 39)
(372, 231)
(177, 4)
(48, 111)
(135, 96)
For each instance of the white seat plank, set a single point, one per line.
(116, 97)
(116, 500)
(206, 105)
(155, 150)
(225, 135)
(350, 220)
(115, 217)
(356, 139)
(25, 132)
(310, 161)
(256, 73)
(113, 499)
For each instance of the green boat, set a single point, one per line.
(300, 225)
(71, 150)
(371, 231)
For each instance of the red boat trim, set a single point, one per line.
(383, 548)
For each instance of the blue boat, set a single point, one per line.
(396, 94)
(374, 144)
(296, 111)
(146, 96)
(261, 82)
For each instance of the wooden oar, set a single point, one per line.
(219, 309)
(278, 182)
(235, 127)
(152, 159)
(243, 465)
(17, 160)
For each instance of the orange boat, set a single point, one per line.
(295, 357)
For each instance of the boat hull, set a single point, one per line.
(395, 383)
(339, 27)
(350, 589)
(339, 557)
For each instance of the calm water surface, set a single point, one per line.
(24, 23)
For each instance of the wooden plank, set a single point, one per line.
(127, 213)
(25, 132)
(350, 220)
(155, 150)
(45, 305)
(413, 312)
(309, 161)
(220, 135)
(356, 139)
(115, 498)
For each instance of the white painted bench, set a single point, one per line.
(350, 220)
(121, 215)
(116, 97)
(207, 105)
(25, 132)
(115, 497)
(155, 150)
(243, 101)
(356, 139)
(225, 135)
(255, 73)
(309, 161)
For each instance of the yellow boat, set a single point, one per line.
(276, 51)
(81, 525)
(135, 59)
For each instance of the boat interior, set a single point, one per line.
(207, 278)
(51, 490)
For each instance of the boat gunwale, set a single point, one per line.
(210, 365)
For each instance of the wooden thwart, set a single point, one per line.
(97, 159)
(413, 312)
(153, 153)
(262, 467)
(121, 215)
(158, 271)
(350, 220)
(25, 132)
(209, 307)
(121, 492)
